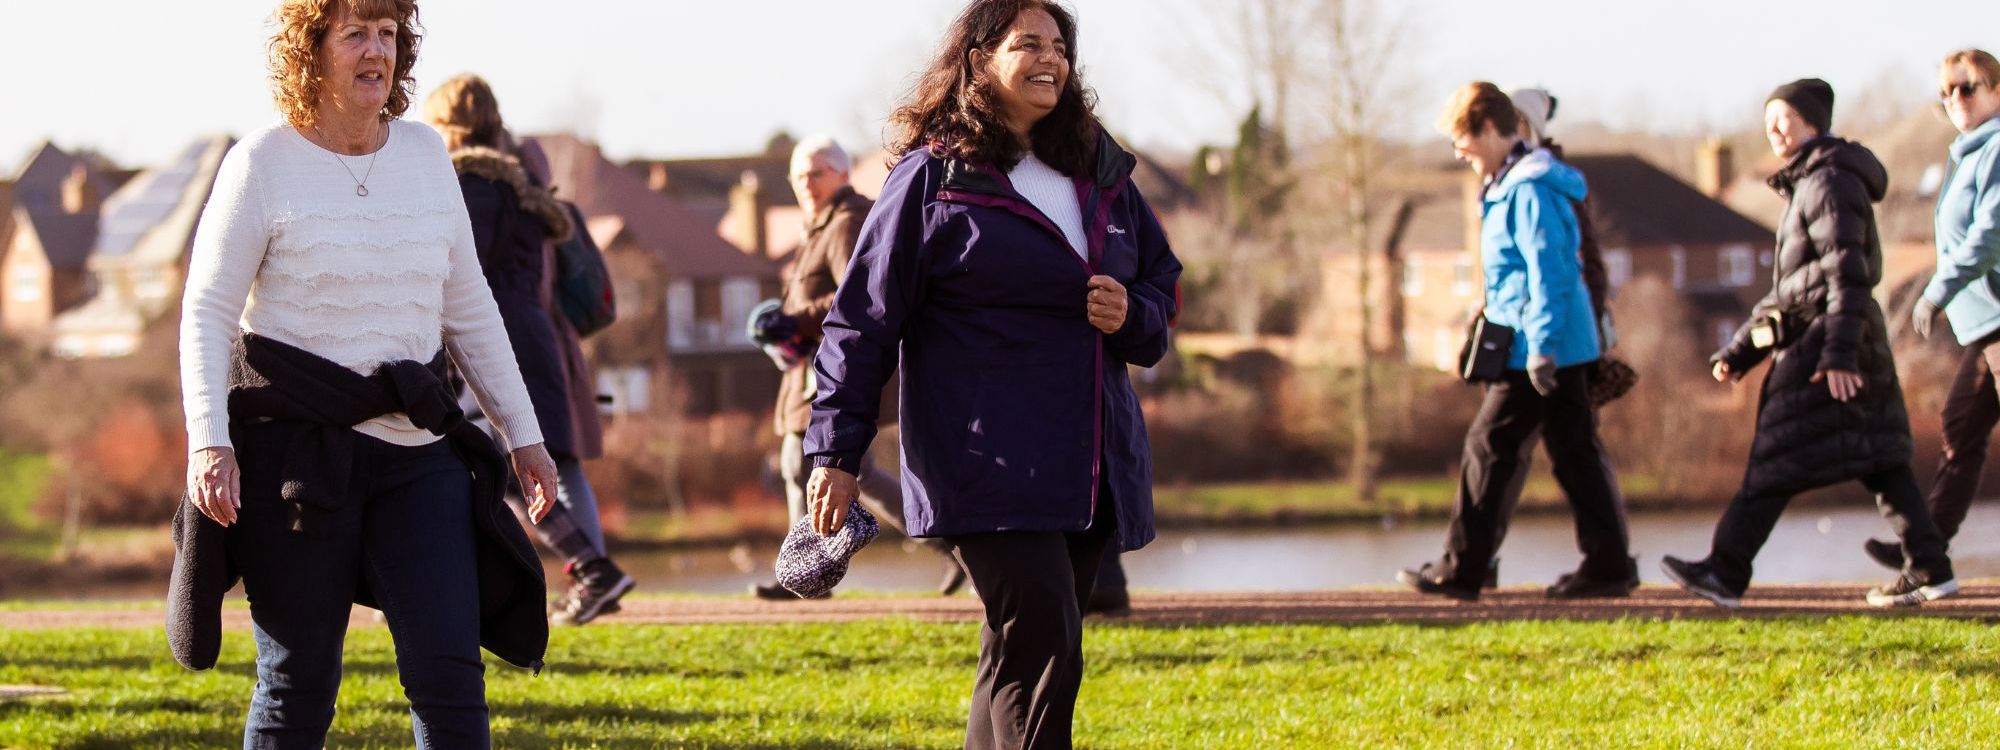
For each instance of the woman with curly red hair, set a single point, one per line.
(333, 269)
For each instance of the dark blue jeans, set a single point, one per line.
(406, 531)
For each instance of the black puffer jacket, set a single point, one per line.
(1829, 260)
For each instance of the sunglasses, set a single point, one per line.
(1960, 90)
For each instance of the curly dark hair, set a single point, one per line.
(302, 26)
(954, 111)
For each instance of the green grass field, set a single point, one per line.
(1335, 500)
(1809, 683)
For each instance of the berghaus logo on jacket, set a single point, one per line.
(1113, 229)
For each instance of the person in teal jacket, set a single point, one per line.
(1528, 242)
(1966, 287)
(1534, 285)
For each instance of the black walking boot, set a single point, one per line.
(1699, 579)
(1426, 579)
(569, 594)
(1887, 554)
(1579, 585)
(597, 589)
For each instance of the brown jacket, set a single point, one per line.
(816, 273)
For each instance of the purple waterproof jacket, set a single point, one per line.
(1017, 414)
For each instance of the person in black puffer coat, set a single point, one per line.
(1831, 409)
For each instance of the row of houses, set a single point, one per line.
(92, 253)
(92, 256)
(1703, 228)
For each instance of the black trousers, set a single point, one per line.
(1498, 450)
(1970, 413)
(1747, 524)
(1111, 574)
(406, 530)
(1034, 586)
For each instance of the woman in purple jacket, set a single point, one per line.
(1015, 272)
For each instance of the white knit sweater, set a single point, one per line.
(288, 251)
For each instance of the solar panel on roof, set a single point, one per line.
(145, 202)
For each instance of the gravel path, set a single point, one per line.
(1979, 600)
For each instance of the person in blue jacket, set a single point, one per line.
(1014, 272)
(1534, 285)
(1965, 288)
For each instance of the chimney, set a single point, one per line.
(79, 194)
(1713, 167)
(746, 206)
(657, 179)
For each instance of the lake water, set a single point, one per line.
(1810, 545)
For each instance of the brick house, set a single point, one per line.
(53, 222)
(683, 293)
(1649, 223)
(138, 261)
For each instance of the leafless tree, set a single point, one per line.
(1356, 65)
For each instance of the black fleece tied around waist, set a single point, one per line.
(270, 381)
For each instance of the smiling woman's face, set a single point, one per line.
(358, 58)
(1029, 69)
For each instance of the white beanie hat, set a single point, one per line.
(1537, 107)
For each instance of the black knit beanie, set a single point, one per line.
(1812, 98)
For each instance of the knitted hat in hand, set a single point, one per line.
(811, 565)
(1812, 98)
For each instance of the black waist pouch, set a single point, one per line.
(1484, 358)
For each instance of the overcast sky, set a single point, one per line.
(138, 78)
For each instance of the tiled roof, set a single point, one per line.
(684, 241)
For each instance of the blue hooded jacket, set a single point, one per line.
(1528, 243)
(1967, 282)
(1017, 413)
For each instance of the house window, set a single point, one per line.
(630, 389)
(1461, 278)
(1413, 280)
(680, 315)
(117, 345)
(153, 284)
(625, 294)
(1680, 259)
(70, 347)
(26, 284)
(1618, 267)
(739, 297)
(1737, 269)
(1725, 331)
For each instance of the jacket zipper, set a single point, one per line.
(1093, 246)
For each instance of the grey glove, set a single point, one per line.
(1923, 317)
(1542, 373)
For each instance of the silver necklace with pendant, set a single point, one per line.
(360, 183)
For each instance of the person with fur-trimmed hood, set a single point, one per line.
(516, 222)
